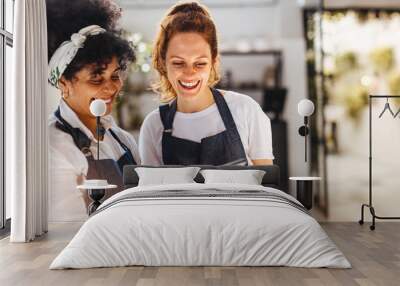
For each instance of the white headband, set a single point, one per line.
(66, 52)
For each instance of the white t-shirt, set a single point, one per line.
(252, 123)
(67, 162)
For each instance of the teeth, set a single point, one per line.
(107, 101)
(188, 84)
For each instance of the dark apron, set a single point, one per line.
(224, 148)
(103, 169)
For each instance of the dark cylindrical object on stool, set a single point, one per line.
(304, 193)
(96, 195)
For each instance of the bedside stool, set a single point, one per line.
(95, 193)
(304, 192)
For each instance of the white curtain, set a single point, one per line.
(27, 123)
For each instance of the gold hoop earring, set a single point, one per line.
(65, 95)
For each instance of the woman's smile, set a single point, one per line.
(190, 87)
(108, 100)
(189, 84)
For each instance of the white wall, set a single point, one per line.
(232, 23)
(294, 74)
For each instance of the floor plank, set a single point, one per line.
(375, 257)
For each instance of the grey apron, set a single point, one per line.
(103, 169)
(224, 148)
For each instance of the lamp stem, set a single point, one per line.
(98, 136)
(305, 137)
(305, 146)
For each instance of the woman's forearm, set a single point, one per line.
(263, 162)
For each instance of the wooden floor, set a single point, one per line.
(374, 255)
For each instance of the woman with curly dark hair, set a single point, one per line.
(87, 60)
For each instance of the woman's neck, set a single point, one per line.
(196, 104)
(90, 123)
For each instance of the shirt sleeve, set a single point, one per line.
(260, 134)
(148, 142)
(65, 153)
(66, 164)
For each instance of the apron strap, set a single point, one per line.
(231, 128)
(167, 114)
(80, 138)
(127, 150)
(225, 112)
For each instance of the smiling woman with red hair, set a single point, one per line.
(87, 60)
(200, 124)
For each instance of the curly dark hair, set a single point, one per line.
(65, 17)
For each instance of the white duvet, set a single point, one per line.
(182, 231)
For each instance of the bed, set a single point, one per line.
(201, 224)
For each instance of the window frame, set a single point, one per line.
(6, 39)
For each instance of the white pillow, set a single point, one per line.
(248, 177)
(163, 176)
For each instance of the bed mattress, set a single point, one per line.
(201, 225)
